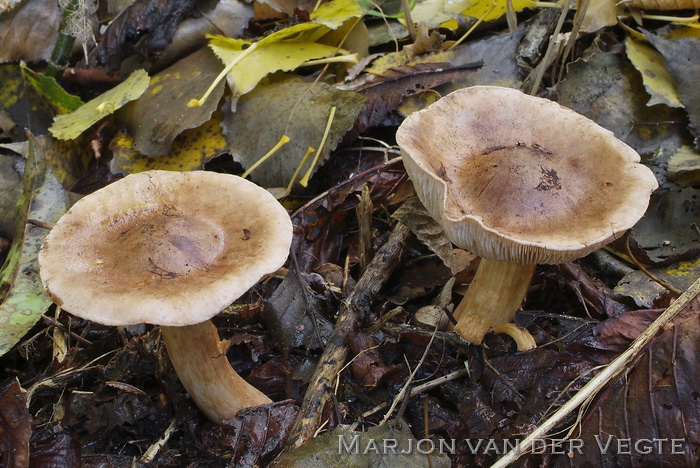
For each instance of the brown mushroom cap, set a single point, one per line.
(518, 178)
(166, 248)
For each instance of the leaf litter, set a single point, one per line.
(127, 406)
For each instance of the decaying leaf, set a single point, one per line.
(190, 150)
(682, 56)
(35, 19)
(668, 232)
(665, 4)
(643, 290)
(297, 109)
(32, 100)
(24, 299)
(390, 446)
(606, 88)
(10, 192)
(413, 214)
(69, 126)
(161, 113)
(386, 92)
(599, 14)
(295, 315)
(657, 80)
(653, 408)
(15, 426)
(495, 54)
(684, 165)
(158, 19)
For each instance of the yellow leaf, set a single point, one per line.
(443, 12)
(657, 80)
(190, 150)
(268, 57)
(69, 126)
(336, 12)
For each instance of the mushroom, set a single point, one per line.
(518, 180)
(172, 249)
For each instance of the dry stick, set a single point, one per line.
(610, 372)
(335, 353)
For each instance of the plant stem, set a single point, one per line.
(64, 43)
(495, 294)
(199, 359)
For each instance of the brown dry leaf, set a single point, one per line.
(36, 19)
(15, 426)
(666, 4)
(385, 93)
(650, 416)
(414, 215)
(600, 13)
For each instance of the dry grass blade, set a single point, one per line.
(609, 373)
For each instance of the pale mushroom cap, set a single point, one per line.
(161, 247)
(518, 178)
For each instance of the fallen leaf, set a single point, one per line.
(53, 446)
(385, 93)
(297, 109)
(644, 291)
(35, 19)
(161, 113)
(665, 4)
(15, 426)
(684, 165)
(599, 14)
(668, 232)
(654, 403)
(32, 100)
(336, 12)
(414, 215)
(657, 80)
(10, 192)
(278, 51)
(190, 150)
(24, 299)
(682, 56)
(158, 19)
(296, 315)
(606, 88)
(497, 56)
(69, 126)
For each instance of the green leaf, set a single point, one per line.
(31, 99)
(24, 299)
(69, 126)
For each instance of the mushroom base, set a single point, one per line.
(199, 358)
(495, 294)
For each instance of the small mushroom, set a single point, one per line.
(518, 180)
(172, 249)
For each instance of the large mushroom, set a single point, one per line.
(172, 249)
(518, 180)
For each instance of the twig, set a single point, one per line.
(335, 353)
(401, 396)
(418, 389)
(609, 373)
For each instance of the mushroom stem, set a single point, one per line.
(199, 358)
(495, 294)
